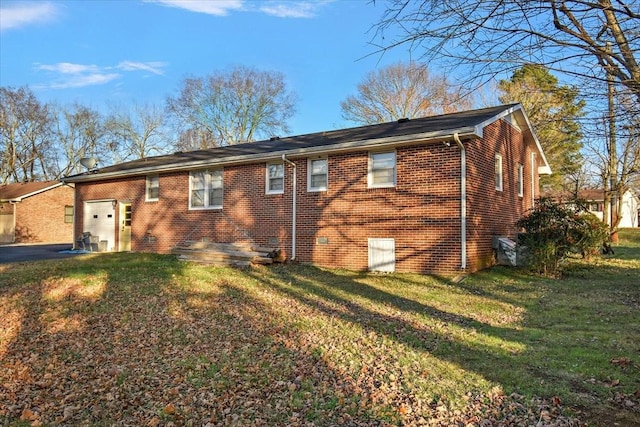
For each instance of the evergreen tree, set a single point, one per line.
(554, 111)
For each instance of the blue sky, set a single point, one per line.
(120, 52)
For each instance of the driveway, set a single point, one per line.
(19, 253)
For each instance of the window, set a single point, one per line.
(153, 188)
(382, 169)
(275, 178)
(498, 172)
(520, 180)
(317, 175)
(68, 214)
(206, 189)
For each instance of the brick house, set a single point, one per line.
(419, 195)
(36, 212)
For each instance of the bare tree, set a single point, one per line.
(25, 131)
(402, 90)
(137, 133)
(615, 159)
(578, 38)
(226, 108)
(80, 133)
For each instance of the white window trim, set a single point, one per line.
(534, 161)
(520, 174)
(310, 188)
(207, 186)
(267, 181)
(148, 186)
(498, 173)
(370, 170)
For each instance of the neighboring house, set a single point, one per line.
(630, 213)
(36, 212)
(420, 195)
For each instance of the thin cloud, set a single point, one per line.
(291, 9)
(69, 75)
(152, 67)
(84, 80)
(217, 8)
(23, 14)
(68, 68)
(278, 8)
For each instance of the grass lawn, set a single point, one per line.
(141, 339)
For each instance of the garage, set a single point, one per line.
(100, 221)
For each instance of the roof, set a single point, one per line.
(434, 128)
(588, 194)
(18, 191)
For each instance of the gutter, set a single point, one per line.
(293, 207)
(463, 202)
(359, 145)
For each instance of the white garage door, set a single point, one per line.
(100, 220)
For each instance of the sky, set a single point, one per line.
(102, 53)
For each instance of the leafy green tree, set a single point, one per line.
(554, 111)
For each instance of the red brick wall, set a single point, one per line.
(40, 218)
(492, 212)
(421, 213)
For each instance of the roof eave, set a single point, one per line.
(33, 193)
(545, 169)
(298, 152)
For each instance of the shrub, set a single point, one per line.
(552, 231)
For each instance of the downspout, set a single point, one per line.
(293, 208)
(463, 202)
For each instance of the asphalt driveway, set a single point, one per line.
(19, 253)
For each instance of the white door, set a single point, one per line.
(382, 255)
(7, 229)
(125, 227)
(100, 221)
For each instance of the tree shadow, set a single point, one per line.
(517, 355)
(143, 339)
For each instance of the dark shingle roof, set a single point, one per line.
(447, 124)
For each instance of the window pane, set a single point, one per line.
(383, 176)
(154, 193)
(216, 179)
(276, 171)
(383, 169)
(318, 174)
(215, 197)
(68, 214)
(383, 160)
(197, 180)
(197, 198)
(498, 172)
(318, 181)
(319, 166)
(276, 184)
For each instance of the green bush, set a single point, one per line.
(552, 231)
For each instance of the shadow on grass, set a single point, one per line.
(562, 346)
(143, 339)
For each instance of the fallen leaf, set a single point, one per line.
(170, 409)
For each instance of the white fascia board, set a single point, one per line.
(33, 193)
(545, 169)
(277, 155)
